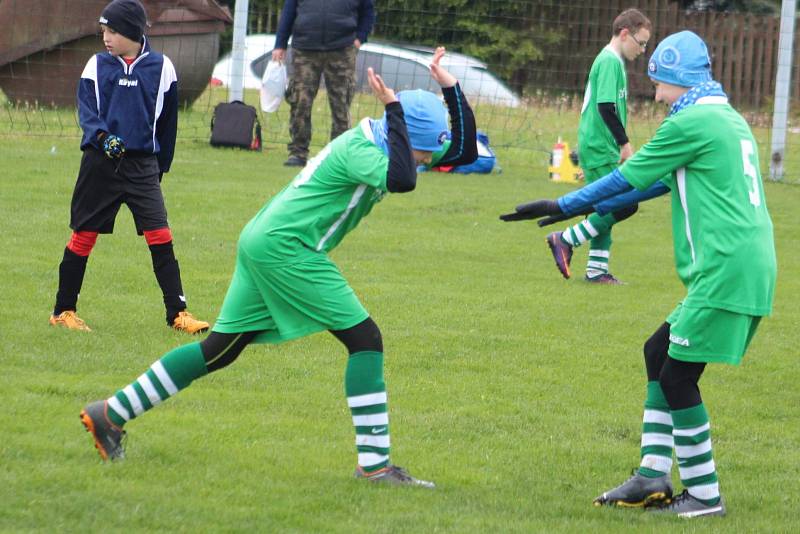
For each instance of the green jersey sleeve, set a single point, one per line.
(668, 150)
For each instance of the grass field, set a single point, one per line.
(518, 392)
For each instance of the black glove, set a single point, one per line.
(113, 146)
(533, 210)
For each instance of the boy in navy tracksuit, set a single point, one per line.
(128, 109)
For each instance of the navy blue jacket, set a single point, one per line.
(137, 102)
(324, 24)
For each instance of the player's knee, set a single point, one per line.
(679, 381)
(374, 338)
(624, 213)
(220, 350)
(82, 243)
(161, 236)
(653, 349)
(365, 336)
(655, 352)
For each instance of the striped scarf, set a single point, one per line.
(691, 96)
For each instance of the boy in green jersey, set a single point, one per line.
(602, 141)
(285, 286)
(724, 254)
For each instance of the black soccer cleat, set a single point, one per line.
(108, 437)
(394, 475)
(638, 492)
(562, 253)
(295, 161)
(684, 505)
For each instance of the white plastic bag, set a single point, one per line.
(273, 86)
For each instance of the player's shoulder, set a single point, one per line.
(162, 63)
(102, 58)
(607, 57)
(606, 61)
(708, 114)
(705, 122)
(154, 56)
(361, 135)
(168, 65)
(99, 63)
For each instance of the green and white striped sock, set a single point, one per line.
(693, 449)
(595, 228)
(172, 373)
(657, 440)
(580, 233)
(366, 397)
(589, 228)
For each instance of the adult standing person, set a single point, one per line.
(326, 35)
(603, 143)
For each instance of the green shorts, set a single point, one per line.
(288, 300)
(710, 335)
(592, 175)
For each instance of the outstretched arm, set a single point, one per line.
(573, 203)
(612, 204)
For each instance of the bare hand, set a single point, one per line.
(625, 152)
(357, 43)
(384, 94)
(438, 73)
(278, 54)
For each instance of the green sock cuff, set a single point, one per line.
(114, 418)
(650, 473)
(709, 502)
(690, 417)
(602, 223)
(369, 470)
(655, 397)
(185, 364)
(364, 373)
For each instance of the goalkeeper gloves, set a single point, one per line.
(113, 146)
(533, 210)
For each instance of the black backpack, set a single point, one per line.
(236, 124)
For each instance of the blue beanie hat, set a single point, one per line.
(426, 119)
(681, 59)
(126, 17)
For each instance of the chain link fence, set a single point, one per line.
(522, 63)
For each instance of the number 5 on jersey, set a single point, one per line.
(750, 171)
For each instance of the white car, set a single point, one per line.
(255, 47)
(400, 66)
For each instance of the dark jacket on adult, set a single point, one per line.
(324, 24)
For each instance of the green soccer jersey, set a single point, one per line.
(724, 249)
(330, 196)
(607, 84)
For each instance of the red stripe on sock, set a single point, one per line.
(82, 243)
(161, 236)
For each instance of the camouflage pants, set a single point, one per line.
(308, 66)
